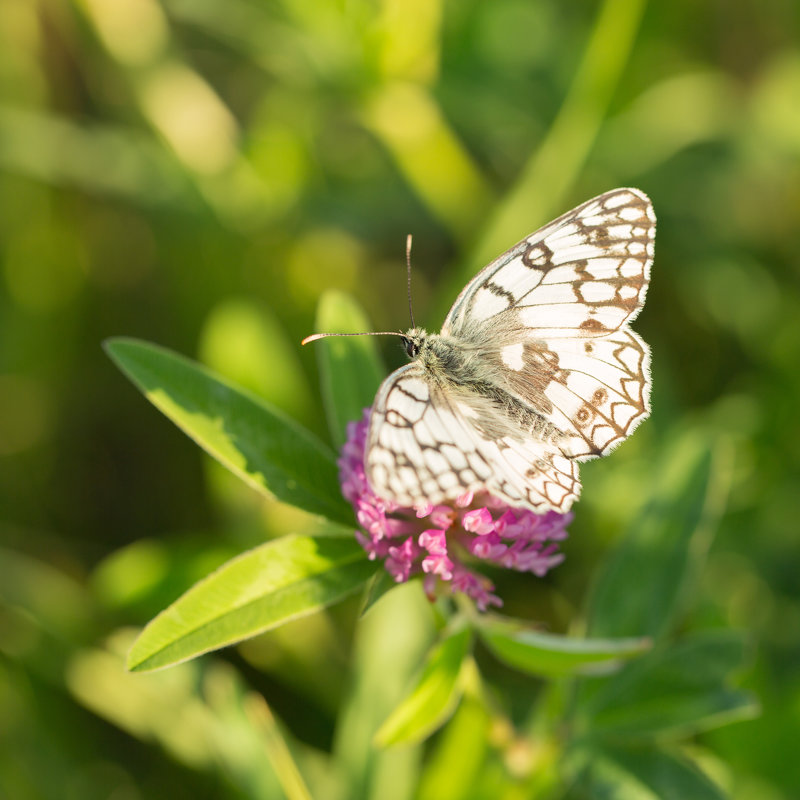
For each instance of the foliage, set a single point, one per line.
(200, 174)
(673, 691)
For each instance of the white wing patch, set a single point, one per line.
(488, 301)
(512, 356)
(586, 320)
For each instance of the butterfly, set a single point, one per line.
(535, 368)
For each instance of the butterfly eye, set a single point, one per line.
(412, 348)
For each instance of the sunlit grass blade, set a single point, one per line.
(205, 729)
(264, 447)
(433, 699)
(644, 584)
(389, 644)
(258, 590)
(97, 158)
(244, 341)
(433, 160)
(350, 367)
(545, 654)
(672, 692)
(278, 753)
(558, 159)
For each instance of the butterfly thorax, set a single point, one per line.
(462, 367)
(444, 358)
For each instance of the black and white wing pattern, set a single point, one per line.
(586, 272)
(430, 442)
(542, 369)
(552, 315)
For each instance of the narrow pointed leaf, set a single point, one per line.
(258, 590)
(643, 773)
(350, 367)
(550, 654)
(674, 691)
(257, 442)
(434, 698)
(644, 583)
(380, 583)
(670, 776)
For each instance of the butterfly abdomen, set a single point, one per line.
(465, 373)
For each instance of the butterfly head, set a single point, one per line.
(413, 341)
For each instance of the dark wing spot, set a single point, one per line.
(599, 397)
(581, 267)
(593, 326)
(538, 256)
(599, 236)
(499, 291)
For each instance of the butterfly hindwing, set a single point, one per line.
(429, 442)
(418, 450)
(592, 391)
(604, 394)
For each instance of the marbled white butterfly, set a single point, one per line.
(535, 368)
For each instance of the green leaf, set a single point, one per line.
(260, 589)
(643, 773)
(642, 587)
(433, 699)
(377, 586)
(457, 760)
(261, 445)
(350, 367)
(673, 691)
(550, 654)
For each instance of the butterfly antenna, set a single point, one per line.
(315, 336)
(408, 272)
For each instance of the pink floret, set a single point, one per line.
(434, 540)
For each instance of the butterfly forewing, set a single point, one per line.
(561, 340)
(586, 272)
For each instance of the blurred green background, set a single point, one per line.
(198, 172)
